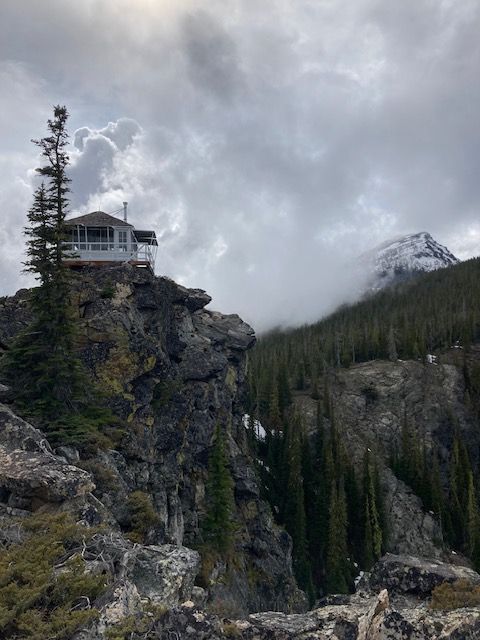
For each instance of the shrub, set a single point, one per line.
(455, 595)
(139, 625)
(92, 428)
(231, 630)
(163, 392)
(105, 479)
(141, 516)
(45, 591)
(107, 292)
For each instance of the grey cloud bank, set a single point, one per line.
(268, 143)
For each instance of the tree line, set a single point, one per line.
(431, 312)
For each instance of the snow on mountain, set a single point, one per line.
(403, 257)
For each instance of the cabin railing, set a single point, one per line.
(110, 251)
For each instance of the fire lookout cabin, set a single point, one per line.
(98, 239)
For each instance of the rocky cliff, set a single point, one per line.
(372, 401)
(169, 369)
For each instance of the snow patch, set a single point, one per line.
(258, 429)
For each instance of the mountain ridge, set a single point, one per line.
(402, 257)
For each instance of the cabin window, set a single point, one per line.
(98, 238)
(122, 240)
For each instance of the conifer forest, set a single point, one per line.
(334, 512)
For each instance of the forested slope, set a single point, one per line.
(342, 437)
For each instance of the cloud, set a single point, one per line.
(94, 156)
(266, 143)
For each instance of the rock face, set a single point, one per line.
(170, 369)
(372, 401)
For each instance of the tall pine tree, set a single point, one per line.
(218, 526)
(295, 521)
(372, 529)
(46, 371)
(338, 563)
(42, 365)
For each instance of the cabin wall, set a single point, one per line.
(107, 244)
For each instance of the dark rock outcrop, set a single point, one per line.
(170, 370)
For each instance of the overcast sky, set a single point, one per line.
(266, 141)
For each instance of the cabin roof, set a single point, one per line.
(98, 219)
(146, 237)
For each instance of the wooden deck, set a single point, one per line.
(78, 264)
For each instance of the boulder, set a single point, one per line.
(418, 576)
(16, 433)
(162, 574)
(35, 478)
(30, 474)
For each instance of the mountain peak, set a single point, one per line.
(402, 257)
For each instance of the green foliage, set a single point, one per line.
(90, 428)
(455, 595)
(139, 625)
(294, 510)
(41, 361)
(44, 589)
(107, 292)
(218, 527)
(455, 503)
(141, 516)
(432, 313)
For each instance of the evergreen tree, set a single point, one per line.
(372, 528)
(354, 507)
(473, 523)
(218, 526)
(42, 362)
(392, 345)
(295, 521)
(39, 234)
(317, 503)
(338, 565)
